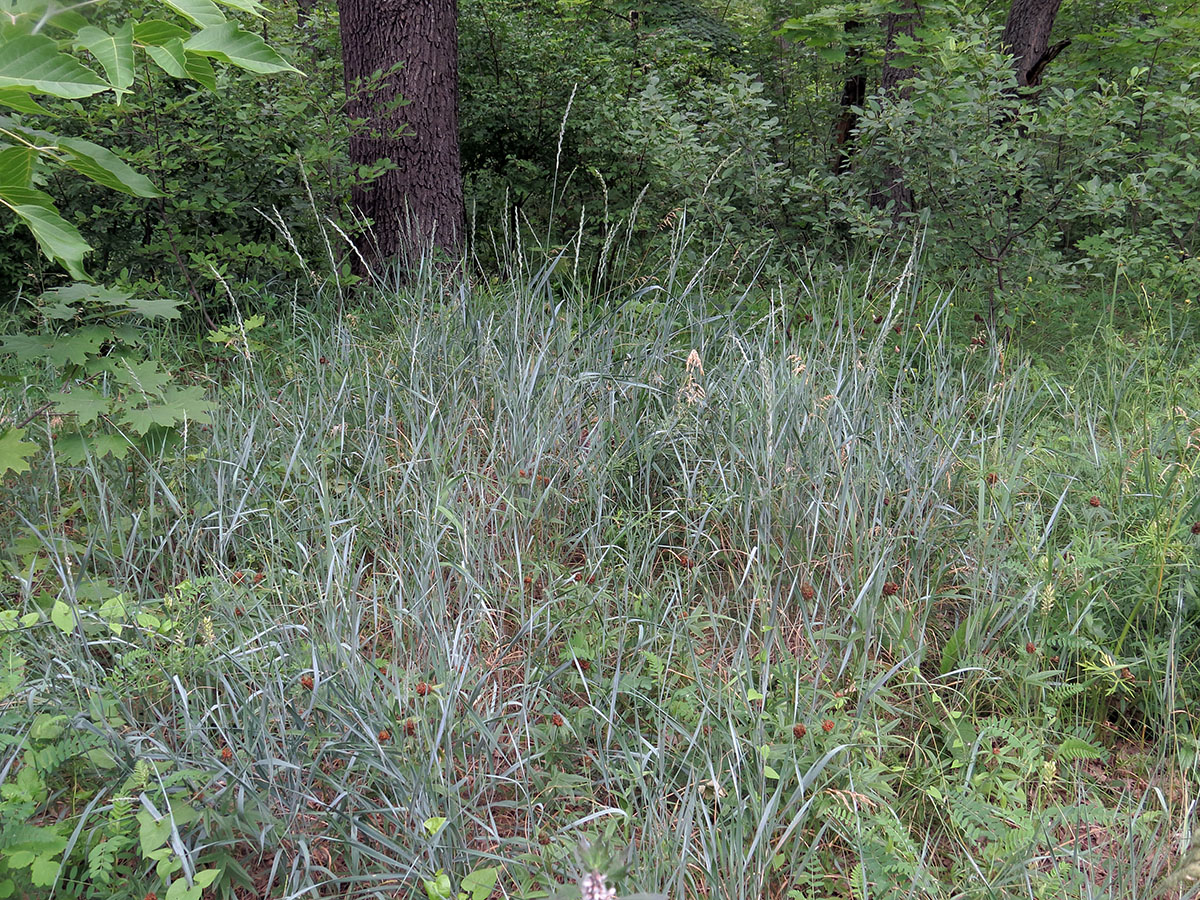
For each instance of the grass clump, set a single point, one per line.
(455, 585)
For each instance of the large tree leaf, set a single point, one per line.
(170, 58)
(32, 62)
(75, 348)
(15, 98)
(114, 51)
(250, 6)
(86, 404)
(200, 70)
(14, 195)
(15, 452)
(230, 44)
(156, 32)
(146, 376)
(16, 166)
(105, 167)
(75, 448)
(57, 237)
(63, 303)
(202, 12)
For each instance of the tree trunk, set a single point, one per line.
(419, 202)
(1027, 37)
(854, 93)
(893, 82)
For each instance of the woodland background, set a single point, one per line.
(784, 486)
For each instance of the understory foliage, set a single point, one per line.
(812, 597)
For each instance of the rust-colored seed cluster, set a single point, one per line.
(1196, 528)
(410, 727)
(557, 720)
(306, 682)
(384, 736)
(422, 688)
(799, 731)
(226, 754)
(1094, 502)
(890, 588)
(992, 478)
(1031, 648)
(807, 591)
(827, 726)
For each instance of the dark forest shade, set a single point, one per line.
(420, 201)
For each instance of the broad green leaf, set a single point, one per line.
(179, 404)
(85, 404)
(113, 609)
(62, 617)
(146, 376)
(114, 52)
(250, 6)
(15, 98)
(154, 307)
(434, 824)
(75, 348)
(201, 12)
(156, 32)
(58, 238)
(170, 58)
(230, 44)
(180, 890)
(16, 166)
(11, 196)
(63, 303)
(14, 452)
(200, 70)
(75, 448)
(45, 870)
(478, 885)
(106, 168)
(32, 63)
(204, 879)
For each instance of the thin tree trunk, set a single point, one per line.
(1027, 37)
(409, 116)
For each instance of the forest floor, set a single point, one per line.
(458, 596)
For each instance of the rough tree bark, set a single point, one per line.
(419, 202)
(1027, 37)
